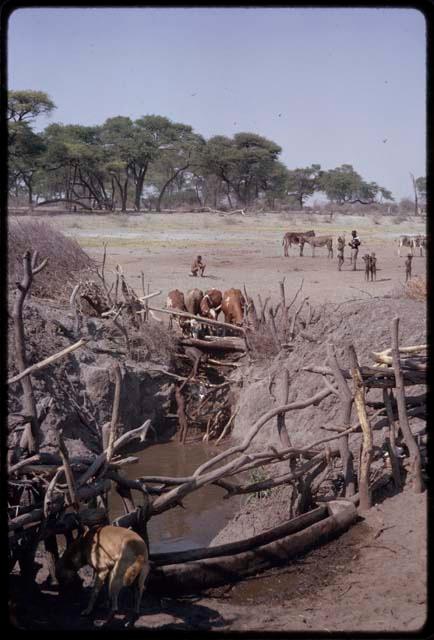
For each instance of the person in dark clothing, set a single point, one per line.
(354, 244)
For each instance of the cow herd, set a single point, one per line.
(208, 305)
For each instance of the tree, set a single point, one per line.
(27, 105)
(243, 163)
(419, 188)
(344, 185)
(26, 151)
(176, 158)
(173, 146)
(304, 182)
(75, 164)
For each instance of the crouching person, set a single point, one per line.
(197, 266)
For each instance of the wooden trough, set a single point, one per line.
(192, 571)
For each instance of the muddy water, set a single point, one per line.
(205, 513)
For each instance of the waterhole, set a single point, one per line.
(205, 513)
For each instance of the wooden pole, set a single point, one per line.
(283, 399)
(347, 402)
(68, 472)
(367, 442)
(389, 439)
(418, 484)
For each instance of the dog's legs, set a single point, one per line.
(99, 581)
(115, 585)
(141, 581)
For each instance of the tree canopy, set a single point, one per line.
(344, 185)
(120, 162)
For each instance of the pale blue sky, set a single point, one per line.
(343, 80)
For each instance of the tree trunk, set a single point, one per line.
(169, 181)
(139, 187)
(416, 207)
(30, 437)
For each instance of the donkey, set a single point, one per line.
(320, 241)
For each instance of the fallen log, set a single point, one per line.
(221, 344)
(191, 577)
(44, 363)
(213, 323)
(231, 548)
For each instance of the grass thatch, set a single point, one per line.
(67, 261)
(416, 288)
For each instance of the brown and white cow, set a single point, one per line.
(175, 300)
(294, 237)
(211, 304)
(233, 304)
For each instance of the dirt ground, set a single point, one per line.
(373, 578)
(243, 250)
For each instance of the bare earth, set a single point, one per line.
(373, 577)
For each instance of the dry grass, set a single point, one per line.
(416, 289)
(67, 261)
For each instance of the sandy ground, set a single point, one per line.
(373, 577)
(242, 250)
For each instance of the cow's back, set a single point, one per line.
(175, 300)
(192, 301)
(233, 303)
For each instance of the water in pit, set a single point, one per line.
(206, 512)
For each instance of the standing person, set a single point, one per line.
(198, 265)
(354, 244)
(340, 247)
(408, 267)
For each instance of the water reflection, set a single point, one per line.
(205, 513)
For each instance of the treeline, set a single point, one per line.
(142, 163)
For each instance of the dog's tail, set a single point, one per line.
(133, 570)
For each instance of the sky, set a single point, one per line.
(330, 86)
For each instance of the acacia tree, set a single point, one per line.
(242, 163)
(75, 165)
(25, 147)
(27, 105)
(176, 158)
(26, 152)
(419, 188)
(303, 182)
(344, 185)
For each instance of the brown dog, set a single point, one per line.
(115, 551)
